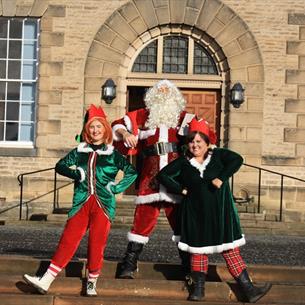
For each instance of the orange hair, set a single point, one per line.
(107, 137)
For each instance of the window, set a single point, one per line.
(203, 63)
(177, 54)
(175, 50)
(147, 59)
(18, 80)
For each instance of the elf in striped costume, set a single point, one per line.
(93, 166)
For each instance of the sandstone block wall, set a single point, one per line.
(82, 43)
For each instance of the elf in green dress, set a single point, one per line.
(93, 166)
(209, 222)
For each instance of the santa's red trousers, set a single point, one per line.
(90, 217)
(146, 216)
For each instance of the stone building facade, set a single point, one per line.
(82, 43)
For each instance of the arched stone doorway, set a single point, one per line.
(224, 34)
(202, 89)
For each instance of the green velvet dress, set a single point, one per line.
(208, 220)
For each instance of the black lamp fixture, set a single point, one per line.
(237, 95)
(109, 91)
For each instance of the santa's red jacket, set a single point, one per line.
(159, 147)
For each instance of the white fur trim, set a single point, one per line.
(184, 128)
(163, 133)
(128, 123)
(137, 238)
(117, 137)
(176, 238)
(163, 161)
(108, 186)
(85, 148)
(212, 249)
(161, 196)
(108, 151)
(144, 134)
(82, 174)
(200, 166)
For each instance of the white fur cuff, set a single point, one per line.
(128, 123)
(109, 185)
(82, 174)
(137, 238)
(117, 137)
(176, 238)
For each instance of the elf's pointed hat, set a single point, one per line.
(92, 112)
(202, 126)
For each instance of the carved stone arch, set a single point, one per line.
(225, 35)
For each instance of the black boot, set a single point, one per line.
(185, 262)
(252, 292)
(129, 264)
(196, 286)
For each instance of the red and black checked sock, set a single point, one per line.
(234, 261)
(199, 262)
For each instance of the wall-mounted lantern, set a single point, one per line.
(237, 95)
(109, 91)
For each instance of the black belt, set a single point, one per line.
(161, 148)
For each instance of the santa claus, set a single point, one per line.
(152, 132)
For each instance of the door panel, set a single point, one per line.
(205, 104)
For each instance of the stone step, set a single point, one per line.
(18, 265)
(158, 289)
(27, 299)
(60, 218)
(13, 299)
(251, 224)
(119, 219)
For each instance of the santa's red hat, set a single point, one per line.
(202, 126)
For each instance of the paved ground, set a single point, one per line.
(40, 240)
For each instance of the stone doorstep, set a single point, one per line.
(215, 291)
(13, 299)
(27, 299)
(249, 226)
(18, 265)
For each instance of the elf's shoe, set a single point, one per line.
(41, 284)
(91, 288)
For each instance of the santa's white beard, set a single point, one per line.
(164, 106)
(163, 112)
